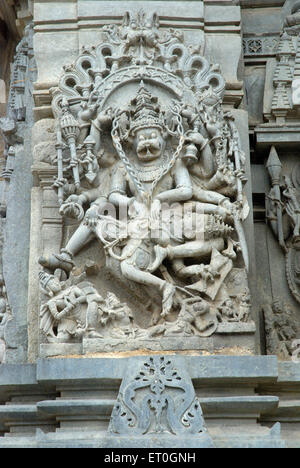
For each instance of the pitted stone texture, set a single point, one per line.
(44, 153)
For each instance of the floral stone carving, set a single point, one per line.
(158, 400)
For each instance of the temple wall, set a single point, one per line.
(65, 376)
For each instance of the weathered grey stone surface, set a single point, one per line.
(15, 200)
(148, 411)
(130, 138)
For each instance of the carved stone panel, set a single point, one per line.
(15, 189)
(158, 402)
(148, 201)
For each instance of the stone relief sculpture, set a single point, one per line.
(283, 210)
(286, 79)
(156, 376)
(151, 166)
(281, 329)
(16, 110)
(78, 310)
(282, 200)
(12, 130)
(158, 400)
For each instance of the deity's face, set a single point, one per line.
(277, 307)
(201, 308)
(229, 304)
(149, 144)
(54, 285)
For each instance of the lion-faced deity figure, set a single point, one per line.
(158, 171)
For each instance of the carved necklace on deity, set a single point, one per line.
(134, 172)
(151, 173)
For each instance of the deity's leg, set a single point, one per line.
(143, 277)
(195, 249)
(92, 319)
(207, 196)
(210, 208)
(184, 271)
(63, 334)
(92, 315)
(82, 236)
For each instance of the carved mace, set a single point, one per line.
(70, 131)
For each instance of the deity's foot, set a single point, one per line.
(230, 251)
(54, 261)
(168, 296)
(88, 333)
(160, 254)
(93, 334)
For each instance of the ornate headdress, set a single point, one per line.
(44, 280)
(145, 111)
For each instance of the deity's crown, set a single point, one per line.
(145, 111)
(45, 278)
